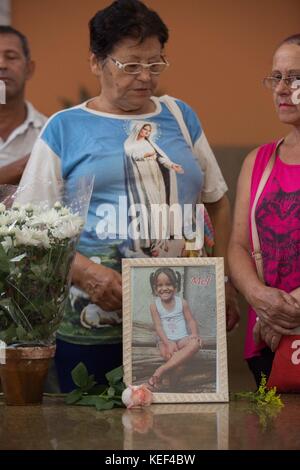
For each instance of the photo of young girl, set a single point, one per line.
(174, 318)
(176, 329)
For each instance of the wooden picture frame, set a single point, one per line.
(202, 376)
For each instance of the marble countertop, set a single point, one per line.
(233, 425)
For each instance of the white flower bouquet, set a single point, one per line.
(37, 246)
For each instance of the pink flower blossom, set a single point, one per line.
(137, 395)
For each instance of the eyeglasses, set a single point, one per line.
(134, 68)
(291, 81)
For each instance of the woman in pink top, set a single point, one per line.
(276, 304)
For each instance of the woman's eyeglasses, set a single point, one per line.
(291, 81)
(134, 68)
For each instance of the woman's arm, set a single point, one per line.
(103, 285)
(277, 308)
(219, 213)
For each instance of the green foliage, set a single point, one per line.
(37, 246)
(34, 292)
(88, 393)
(265, 403)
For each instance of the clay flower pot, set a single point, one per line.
(24, 373)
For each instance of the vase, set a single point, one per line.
(24, 373)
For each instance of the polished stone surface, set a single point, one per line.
(171, 427)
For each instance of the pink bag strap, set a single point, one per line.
(256, 253)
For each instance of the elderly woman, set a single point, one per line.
(269, 188)
(127, 55)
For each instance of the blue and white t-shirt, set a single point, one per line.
(138, 162)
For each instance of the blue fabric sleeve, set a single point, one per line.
(191, 120)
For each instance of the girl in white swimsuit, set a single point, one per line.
(176, 328)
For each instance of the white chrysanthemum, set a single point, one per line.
(29, 207)
(2, 207)
(3, 231)
(67, 229)
(65, 211)
(4, 219)
(17, 217)
(31, 237)
(7, 243)
(48, 218)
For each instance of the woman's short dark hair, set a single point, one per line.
(24, 41)
(124, 19)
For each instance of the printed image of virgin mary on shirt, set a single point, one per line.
(151, 180)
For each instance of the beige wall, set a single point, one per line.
(219, 50)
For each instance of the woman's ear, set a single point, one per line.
(95, 65)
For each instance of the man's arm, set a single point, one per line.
(12, 173)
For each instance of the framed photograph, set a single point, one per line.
(156, 427)
(174, 328)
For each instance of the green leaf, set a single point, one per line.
(102, 404)
(4, 262)
(119, 388)
(97, 389)
(80, 375)
(118, 403)
(73, 397)
(114, 376)
(90, 384)
(111, 392)
(88, 400)
(103, 397)
(21, 333)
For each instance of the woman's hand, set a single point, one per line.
(279, 310)
(103, 285)
(264, 332)
(177, 168)
(232, 307)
